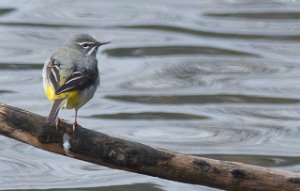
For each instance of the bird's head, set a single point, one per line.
(84, 43)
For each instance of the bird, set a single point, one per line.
(71, 76)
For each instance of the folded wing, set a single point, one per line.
(76, 81)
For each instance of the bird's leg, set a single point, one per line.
(57, 120)
(75, 122)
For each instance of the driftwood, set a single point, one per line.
(98, 148)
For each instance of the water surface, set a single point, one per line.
(218, 79)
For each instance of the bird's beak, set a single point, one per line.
(102, 43)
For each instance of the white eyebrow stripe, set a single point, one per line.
(82, 43)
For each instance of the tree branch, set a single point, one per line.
(98, 148)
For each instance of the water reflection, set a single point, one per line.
(262, 14)
(149, 116)
(266, 161)
(204, 99)
(40, 25)
(213, 34)
(133, 187)
(20, 66)
(172, 50)
(4, 11)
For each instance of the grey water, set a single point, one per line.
(213, 78)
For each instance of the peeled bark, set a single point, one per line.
(99, 148)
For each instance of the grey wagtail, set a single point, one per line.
(70, 75)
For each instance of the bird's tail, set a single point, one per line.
(56, 107)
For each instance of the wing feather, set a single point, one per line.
(53, 73)
(77, 81)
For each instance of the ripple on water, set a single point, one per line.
(275, 114)
(44, 170)
(125, 187)
(262, 14)
(88, 15)
(274, 23)
(203, 73)
(6, 91)
(190, 77)
(212, 33)
(21, 169)
(41, 25)
(13, 51)
(173, 50)
(266, 161)
(192, 137)
(202, 99)
(150, 116)
(4, 11)
(20, 66)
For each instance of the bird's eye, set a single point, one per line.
(85, 45)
